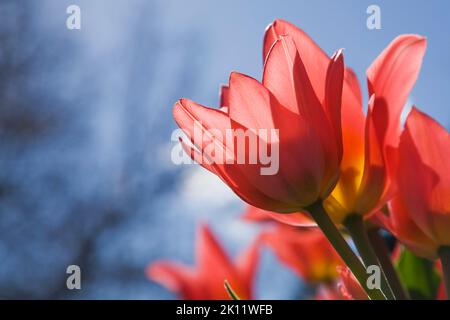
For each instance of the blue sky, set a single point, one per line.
(230, 34)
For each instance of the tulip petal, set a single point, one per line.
(315, 59)
(403, 227)
(206, 281)
(286, 77)
(210, 254)
(216, 266)
(295, 257)
(349, 286)
(374, 179)
(343, 197)
(333, 106)
(212, 124)
(295, 219)
(306, 251)
(279, 75)
(201, 124)
(197, 156)
(175, 277)
(224, 96)
(247, 265)
(424, 174)
(333, 95)
(312, 65)
(249, 102)
(392, 76)
(230, 175)
(353, 121)
(433, 143)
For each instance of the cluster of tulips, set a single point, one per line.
(346, 181)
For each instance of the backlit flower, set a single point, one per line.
(213, 267)
(370, 141)
(420, 213)
(306, 251)
(294, 112)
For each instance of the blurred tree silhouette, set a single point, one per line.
(80, 133)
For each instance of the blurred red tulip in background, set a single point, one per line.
(349, 287)
(306, 251)
(213, 267)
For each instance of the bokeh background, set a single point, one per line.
(85, 127)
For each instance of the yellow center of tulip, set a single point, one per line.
(342, 199)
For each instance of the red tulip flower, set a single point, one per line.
(206, 280)
(420, 212)
(364, 184)
(320, 151)
(306, 251)
(370, 141)
(406, 230)
(298, 106)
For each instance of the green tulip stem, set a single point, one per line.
(355, 226)
(342, 248)
(384, 257)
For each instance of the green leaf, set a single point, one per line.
(418, 275)
(230, 291)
